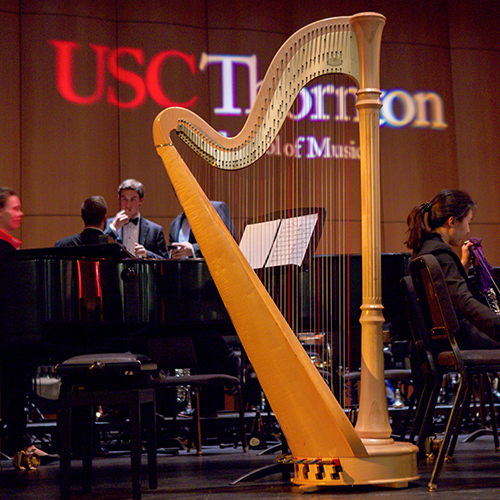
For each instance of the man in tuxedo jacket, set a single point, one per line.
(139, 236)
(182, 238)
(94, 212)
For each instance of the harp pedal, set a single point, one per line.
(323, 469)
(320, 471)
(336, 469)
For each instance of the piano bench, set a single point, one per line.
(101, 380)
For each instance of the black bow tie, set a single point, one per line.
(134, 221)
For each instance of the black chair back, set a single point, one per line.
(442, 327)
(172, 351)
(440, 319)
(421, 339)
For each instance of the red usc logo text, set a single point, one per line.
(108, 60)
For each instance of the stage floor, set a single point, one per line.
(474, 473)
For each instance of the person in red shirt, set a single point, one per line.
(10, 219)
(17, 360)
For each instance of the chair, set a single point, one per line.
(441, 326)
(177, 352)
(432, 373)
(100, 380)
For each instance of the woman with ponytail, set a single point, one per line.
(436, 227)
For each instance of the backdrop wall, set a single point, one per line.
(73, 125)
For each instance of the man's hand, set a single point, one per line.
(183, 250)
(121, 218)
(140, 251)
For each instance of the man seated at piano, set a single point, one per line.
(141, 237)
(93, 212)
(182, 242)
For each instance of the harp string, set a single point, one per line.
(281, 183)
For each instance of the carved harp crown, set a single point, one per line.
(312, 420)
(325, 47)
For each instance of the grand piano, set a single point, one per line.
(95, 297)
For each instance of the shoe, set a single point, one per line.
(45, 458)
(31, 458)
(25, 461)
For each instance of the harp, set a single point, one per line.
(327, 449)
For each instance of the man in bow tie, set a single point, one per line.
(140, 236)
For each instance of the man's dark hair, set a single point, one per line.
(132, 184)
(94, 211)
(5, 194)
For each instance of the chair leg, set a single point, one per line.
(486, 394)
(462, 417)
(421, 408)
(135, 443)
(463, 395)
(198, 420)
(494, 424)
(488, 390)
(411, 408)
(241, 409)
(64, 423)
(427, 419)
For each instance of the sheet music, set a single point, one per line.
(257, 241)
(278, 243)
(292, 240)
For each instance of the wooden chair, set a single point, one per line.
(99, 380)
(441, 326)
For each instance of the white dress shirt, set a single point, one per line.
(131, 235)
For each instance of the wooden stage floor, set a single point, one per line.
(473, 474)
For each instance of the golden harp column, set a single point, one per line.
(373, 417)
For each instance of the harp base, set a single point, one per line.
(392, 466)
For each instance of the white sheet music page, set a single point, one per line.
(257, 241)
(292, 240)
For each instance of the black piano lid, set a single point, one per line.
(114, 251)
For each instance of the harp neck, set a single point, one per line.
(325, 47)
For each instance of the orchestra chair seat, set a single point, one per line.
(440, 329)
(106, 379)
(177, 352)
